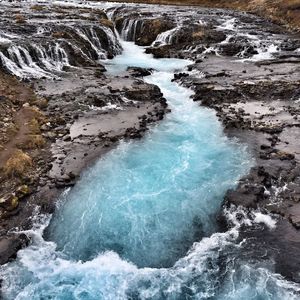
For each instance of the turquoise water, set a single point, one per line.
(141, 222)
(157, 195)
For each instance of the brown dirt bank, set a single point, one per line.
(285, 12)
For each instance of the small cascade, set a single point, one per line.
(166, 38)
(34, 60)
(19, 62)
(102, 40)
(92, 38)
(264, 52)
(229, 24)
(7, 38)
(55, 59)
(113, 41)
(131, 28)
(42, 58)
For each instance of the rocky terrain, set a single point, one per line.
(285, 12)
(247, 69)
(65, 113)
(71, 111)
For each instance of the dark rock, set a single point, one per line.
(10, 245)
(139, 72)
(143, 92)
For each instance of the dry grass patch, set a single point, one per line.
(12, 130)
(34, 126)
(37, 7)
(60, 35)
(290, 4)
(107, 23)
(41, 103)
(18, 164)
(38, 119)
(20, 19)
(198, 34)
(34, 141)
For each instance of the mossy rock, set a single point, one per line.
(14, 203)
(22, 191)
(9, 202)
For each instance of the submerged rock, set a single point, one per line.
(139, 72)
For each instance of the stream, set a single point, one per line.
(141, 223)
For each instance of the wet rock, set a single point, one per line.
(290, 44)
(139, 72)
(161, 52)
(133, 133)
(143, 92)
(237, 45)
(272, 129)
(151, 29)
(285, 155)
(10, 245)
(178, 76)
(295, 220)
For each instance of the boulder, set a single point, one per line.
(10, 245)
(139, 72)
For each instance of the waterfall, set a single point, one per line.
(34, 60)
(91, 37)
(48, 59)
(19, 62)
(53, 60)
(131, 28)
(113, 40)
(166, 38)
(6, 38)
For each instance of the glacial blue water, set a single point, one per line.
(157, 195)
(141, 222)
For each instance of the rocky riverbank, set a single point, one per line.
(259, 104)
(82, 120)
(59, 122)
(246, 68)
